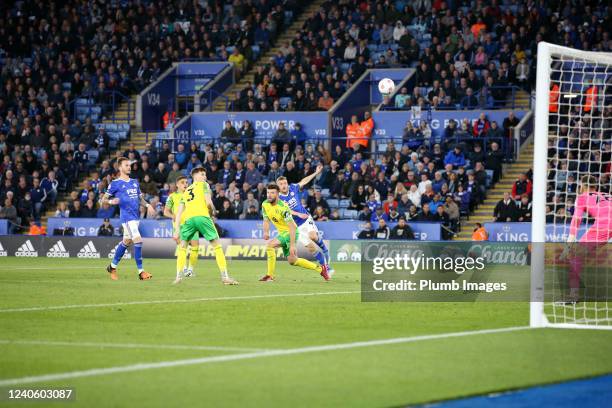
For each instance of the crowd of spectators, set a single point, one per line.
(467, 54)
(579, 144)
(52, 53)
(430, 185)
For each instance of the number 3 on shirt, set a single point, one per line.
(191, 195)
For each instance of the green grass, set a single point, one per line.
(380, 376)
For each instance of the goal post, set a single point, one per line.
(582, 82)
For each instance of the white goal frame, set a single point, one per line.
(545, 53)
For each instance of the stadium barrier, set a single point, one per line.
(245, 229)
(207, 126)
(521, 232)
(182, 79)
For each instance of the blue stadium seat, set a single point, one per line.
(333, 202)
(344, 203)
(93, 156)
(349, 214)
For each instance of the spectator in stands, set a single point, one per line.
(299, 136)
(50, 184)
(9, 212)
(505, 210)
(182, 155)
(494, 161)
(509, 124)
(252, 213)
(229, 134)
(367, 232)
(319, 214)
(383, 231)
(521, 186)
(523, 209)
(38, 196)
(76, 211)
(481, 126)
(455, 157)
(325, 101)
(469, 101)
(426, 215)
(62, 210)
(106, 229)
(442, 217)
(89, 210)
(226, 212)
(358, 198)
(402, 231)
(81, 158)
(495, 131)
(282, 135)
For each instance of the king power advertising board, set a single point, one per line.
(246, 229)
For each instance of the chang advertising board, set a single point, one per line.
(207, 125)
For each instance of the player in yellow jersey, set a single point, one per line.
(195, 209)
(278, 213)
(170, 210)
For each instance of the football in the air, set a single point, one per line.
(386, 86)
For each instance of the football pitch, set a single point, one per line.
(298, 341)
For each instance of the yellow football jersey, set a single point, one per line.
(173, 202)
(194, 199)
(279, 214)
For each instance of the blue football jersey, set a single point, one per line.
(295, 203)
(128, 193)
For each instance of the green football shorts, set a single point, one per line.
(195, 227)
(285, 241)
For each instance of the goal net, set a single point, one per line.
(571, 282)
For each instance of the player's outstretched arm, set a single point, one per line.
(107, 199)
(308, 179)
(299, 214)
(168, 213)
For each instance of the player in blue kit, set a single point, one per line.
(308, 232)
(125, 192)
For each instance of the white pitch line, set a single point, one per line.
(128, 345)
(245, 356)
(154, 302)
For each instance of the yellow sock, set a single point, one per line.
(220, 258)
(271, 252)
(305, 263)
(181, 259)
(193, 257)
